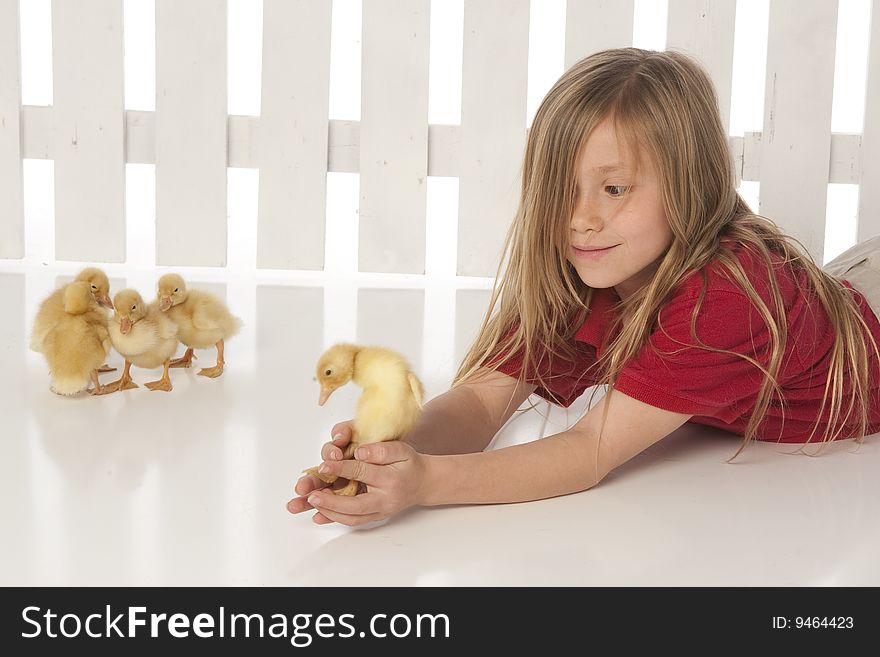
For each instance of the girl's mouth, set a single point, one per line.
(591, 255)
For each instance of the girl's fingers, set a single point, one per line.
(332, 451)
(384, 453)
(350, 469)
(320, 519)
(356, 505)
(344, 519)
(341, 432)
(298, 505)
(307, 484)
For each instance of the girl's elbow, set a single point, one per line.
(595, 479)
(596, 464)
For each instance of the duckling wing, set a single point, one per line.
(216, 317)
(416, 387)
(205, 319)
(48, 315)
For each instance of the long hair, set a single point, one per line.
(664, 104)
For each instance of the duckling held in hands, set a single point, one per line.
(202, 320)
(52, 308)
(78, 342)
(145, 336)
(389, 405)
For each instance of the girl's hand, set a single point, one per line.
(332, 451)
(394, 474)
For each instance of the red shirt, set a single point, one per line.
(720, 389)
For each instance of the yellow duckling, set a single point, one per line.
(78, 342)
(202, 320)
(389, 405)
(51, 310)
(145, 336)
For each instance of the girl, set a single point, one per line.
(632, 263)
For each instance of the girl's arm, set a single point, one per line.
(567, 462)
(467, 417)
(399, 477)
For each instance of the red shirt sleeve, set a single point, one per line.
(671, 372)
(565, 379)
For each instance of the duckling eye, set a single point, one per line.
(175, 290)
(94, 287)
(327, 373)
(133, 307)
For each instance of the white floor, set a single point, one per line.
(189, 488)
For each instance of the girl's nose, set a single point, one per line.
(584, 218)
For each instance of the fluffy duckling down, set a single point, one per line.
(144, 336)
(203, 320)
(78, 342)
(52, 311)
(390, 404)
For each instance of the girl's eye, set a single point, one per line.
(621, 190)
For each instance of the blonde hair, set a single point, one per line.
(666, 103)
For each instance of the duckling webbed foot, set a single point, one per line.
(124, 382)
(185, 360)
(97, 388)
(327, 479)
(349, 490)
(164, 383)
(106, 368)
(217, 370)
(211, 372)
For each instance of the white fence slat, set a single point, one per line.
(869, 174)
(294, 120)
(845, 158)
(242, 139)
(89, 115)
(704, 29)
(344, 147)
(493, 128)
(11, 189)
(191, 132)
(394, 136)
(737, 152)
(594, 25)
(796, 140)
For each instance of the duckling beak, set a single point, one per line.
(106, 302)
(164, 303)
(125, 325)
(325, 393)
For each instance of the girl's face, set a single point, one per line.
(619, 211)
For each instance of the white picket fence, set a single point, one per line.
(192, 140)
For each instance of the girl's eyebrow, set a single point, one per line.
(610, 167)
